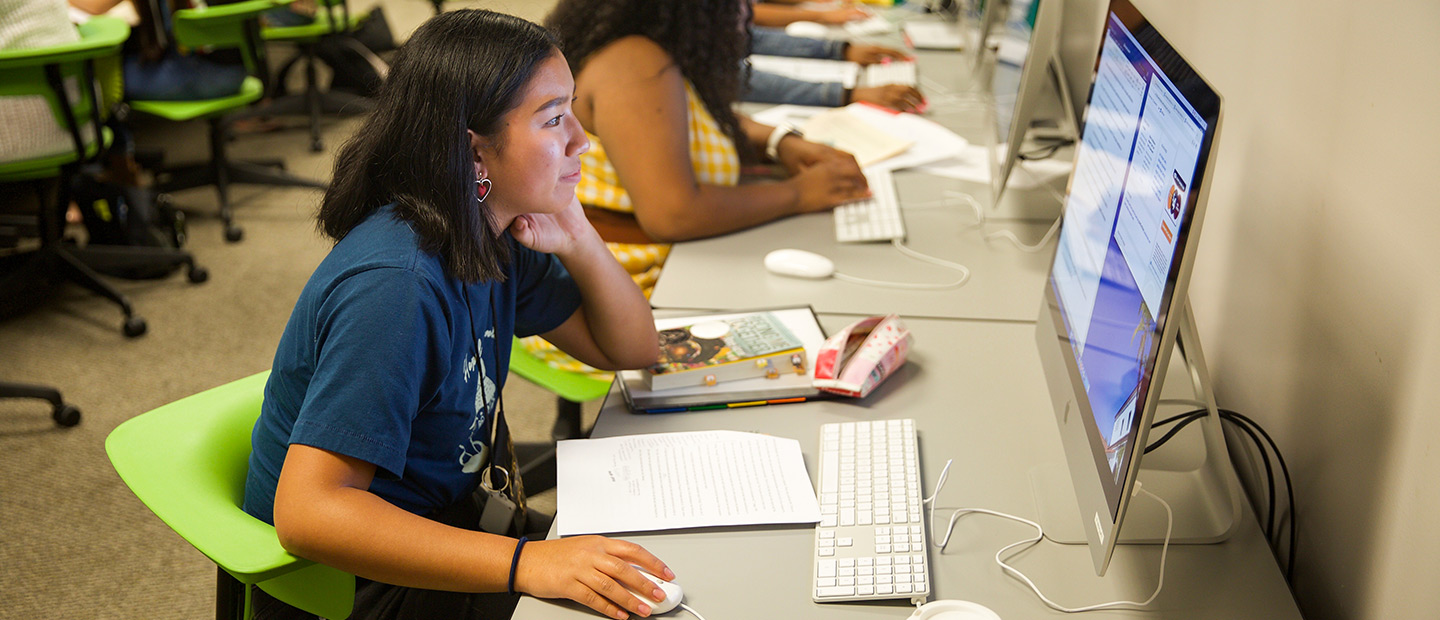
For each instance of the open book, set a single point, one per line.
(784, 388)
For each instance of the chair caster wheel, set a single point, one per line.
(234, 234)
(198, 275)
(316, 146)
(135, 327)
(66, 415)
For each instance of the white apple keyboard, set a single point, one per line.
(893, 72)
(875, 24)
(870, 543)
(876, 218)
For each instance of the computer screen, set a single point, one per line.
(1121, 268)
(1022, 69)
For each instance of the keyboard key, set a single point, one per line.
(825, 568)
(835, 592)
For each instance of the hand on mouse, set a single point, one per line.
(594, 571)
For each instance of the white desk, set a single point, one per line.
(977, 394)
(728, 272)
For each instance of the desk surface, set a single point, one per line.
(729, 272)
(997, 431)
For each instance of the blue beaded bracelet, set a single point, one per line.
(515, 562)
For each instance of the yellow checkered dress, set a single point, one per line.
(715, 161)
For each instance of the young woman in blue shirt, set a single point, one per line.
(456, 226)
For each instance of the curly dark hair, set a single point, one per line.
(703, 37)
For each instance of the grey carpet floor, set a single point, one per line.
(74, 543)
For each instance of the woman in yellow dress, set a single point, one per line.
(654, 82)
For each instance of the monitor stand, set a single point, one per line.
(1192, 472)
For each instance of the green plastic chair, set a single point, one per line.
(187, 462)
(571, 389)
(332, 20)
(222, 27)
(41, 72)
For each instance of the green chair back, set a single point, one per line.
(331, 17)
(223, 26)
(572, 386)
(187, 462)
(35, 71)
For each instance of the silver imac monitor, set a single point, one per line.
(1116, 298)
(1027, 46)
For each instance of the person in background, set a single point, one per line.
(654, 86)
(154, 68)
(781, 13)
(28, 127)
(456, 226)
(763, 87)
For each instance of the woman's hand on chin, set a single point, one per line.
(552, 233)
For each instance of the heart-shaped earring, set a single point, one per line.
(482, 188)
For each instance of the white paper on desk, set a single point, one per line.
(972, 164)
(850, 132)
(808, 69)
(929, 141)
(934, 35)
(787, 115)
(666, 481)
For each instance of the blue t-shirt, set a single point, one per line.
(378, 362)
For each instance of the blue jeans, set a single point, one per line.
(180, 78)
(770, 88)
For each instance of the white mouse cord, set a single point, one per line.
(964, 272)
(905, 285)
(1038, 246)
(1040, 534)
(692, 611)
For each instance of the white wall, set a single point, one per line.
(1317, 288)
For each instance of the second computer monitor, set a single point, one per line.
(1116, 295)
(1022, 70)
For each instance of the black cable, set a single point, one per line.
(1269, 478)
(1045, 152)
(1246, 425)
(1188, 418)
(1289, 489)
(1176, 417)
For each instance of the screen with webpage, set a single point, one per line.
(1136, 161)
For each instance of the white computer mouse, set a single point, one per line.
(799, 264)
(809, 30)
(673, 594)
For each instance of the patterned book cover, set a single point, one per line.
(726, 350)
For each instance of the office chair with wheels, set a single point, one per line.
(571, 389)
(47, 72)
(187, 462)
(63, 413)
(228, 26)
(333, 22)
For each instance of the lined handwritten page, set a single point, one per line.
(681, 480)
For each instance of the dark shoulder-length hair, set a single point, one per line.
(707, 39)
(461, 69)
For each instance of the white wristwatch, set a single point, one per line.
(772, 144)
